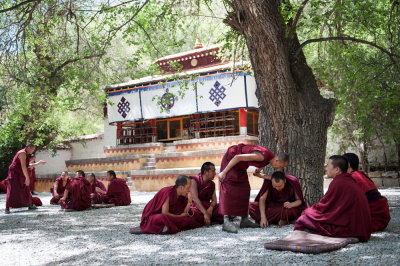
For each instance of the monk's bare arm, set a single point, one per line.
(22, 158)
(101, 191)
(254, 156)
(64, 198)
(195, 195)
(35, 164)
(165, 209)
(214, 199)
(263, 221)
(293, 204)
(189, 204)
(55, 188)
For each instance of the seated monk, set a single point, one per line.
(378, 205)
(279, 201)
(205, 206)
(343, 211)
(77, 194)
(118, 192)
(96, 184)
(59, 187)
(168, 211)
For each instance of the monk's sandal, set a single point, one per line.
(229, 227)
(247, 223)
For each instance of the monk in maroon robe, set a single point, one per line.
(96, 184)
(18, 193)
(118, 192)
(343, 211)
(205, 206)
(168, 211)
(279, 201)
(234, 191)
(378, 205)
(32, 175)
(59, 186)
(77, 194)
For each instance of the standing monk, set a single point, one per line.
(343, 211)
(32, 174)
(205, 206)
(77, 194)
(18, 193)
(118, 192)
(280, 200)
(95, 184)
(378, 205)
(234, 191)
(59, 186)
(168, 211)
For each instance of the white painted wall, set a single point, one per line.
(110, 134)
(54, 164)
(92, 148)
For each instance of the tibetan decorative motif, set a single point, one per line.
(123, 107)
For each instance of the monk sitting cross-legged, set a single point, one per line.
(168, 211)
(378, 205)
(96, 184)
(118, 192)
(343, 211)
(205, 206)
(234, 193)
(279, 201)
(77, 194)
(59, 186)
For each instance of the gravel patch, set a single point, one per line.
(101, 237)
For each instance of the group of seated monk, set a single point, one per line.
(352, 206)
(82, 193)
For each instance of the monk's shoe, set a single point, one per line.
(7, 211)
(230, 228)
(247, 223)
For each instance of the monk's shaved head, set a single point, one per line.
(278, 176)
(353, 160)
(182, 180)
(283, 157)
(339, 161)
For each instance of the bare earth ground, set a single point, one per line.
(101, 237)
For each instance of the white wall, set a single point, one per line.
(92, 148)
(110, 134)
(54, 164)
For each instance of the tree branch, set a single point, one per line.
(344, 38)
(148, 37)
(296, 18)
(70, 61)
(17, 6)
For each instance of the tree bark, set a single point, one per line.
(294, 117)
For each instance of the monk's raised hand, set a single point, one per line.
(221, 176)
(41, 162)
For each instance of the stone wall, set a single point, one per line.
(385, 179)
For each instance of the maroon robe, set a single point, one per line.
(205, 192)
(342, 212)
(32, 178)
(60, 190)
(153, 221)
(378, 205)
(79, 194)
(97, 197)
(18, 194)
(3, 186)
(118, 193)
(274, 209)
(234, 191)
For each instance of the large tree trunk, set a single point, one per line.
(294, 117)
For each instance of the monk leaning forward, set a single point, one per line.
(77, 194)
(378, 205)
(59, 186)
(234, 191)
(205, 206)
(343, 211)
(95, 185)
(168, 211)
(279, 201)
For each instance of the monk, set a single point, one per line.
(168, 211)
(32, 174)
(279, 201)
(77, 194)
(59, 186)
(234, 191)
(343, 211)
(378, 205)
(96, 184)
(205, 206)
(117, 193)
(18, 193)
